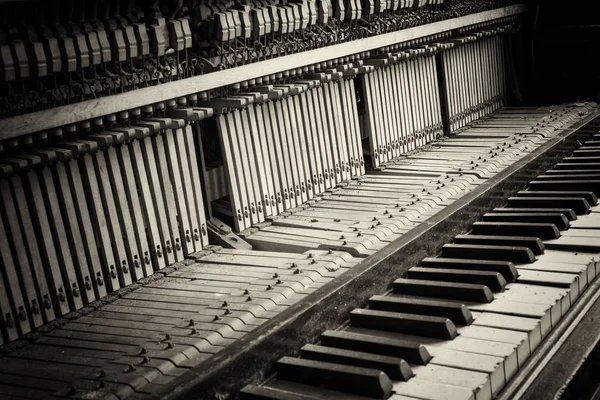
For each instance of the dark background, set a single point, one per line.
(557, 54)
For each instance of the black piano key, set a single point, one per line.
(487, 252)
(557, 219)
(533, 243)
(592, 185)
(412, 324)
(543, 231)
(567, 212)
(493, 280)
(567, 177)
(444, 290)
(457, 313)
(587, 152)
(577, 204)
(252, 392)
(344, 378)
(395, 368)
(574, 171)
(411, 352)
(590, 197)
(582, 159)
(506, 268)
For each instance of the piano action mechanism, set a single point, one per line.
(176, 176)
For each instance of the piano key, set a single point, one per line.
(565, 183)
(362, 381)
(477, 382)
(590, 197)
(530, 326)
(567, 212)
(541, 230)
(551, 279)
(426, 389)
(581, 159)
(506, 268)
(493, 280)
(395, 368)
(569, 177)
(454, 291)
(429, 326)
(533, 243)
(591, 221)
(488, 252)
(573, 171)
(572, 257)
(574, 166)
(457, 313)
(559, 220)
(506, 351)
(481, 363)
(411, 352)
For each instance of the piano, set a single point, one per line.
(289, 199)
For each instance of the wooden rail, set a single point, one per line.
(69, 114)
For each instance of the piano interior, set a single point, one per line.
(299, 199)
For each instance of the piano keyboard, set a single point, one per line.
(462, 324)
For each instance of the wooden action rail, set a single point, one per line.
(69, 114)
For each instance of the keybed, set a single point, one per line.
(86, 217)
